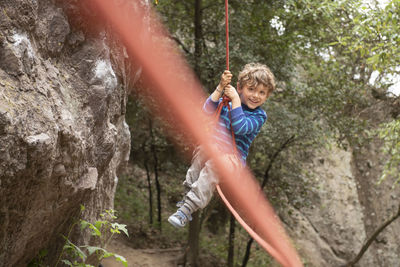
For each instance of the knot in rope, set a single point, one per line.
(225, 100)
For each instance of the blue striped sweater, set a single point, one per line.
(246, 124)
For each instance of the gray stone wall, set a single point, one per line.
(346, 208)
(62, 125)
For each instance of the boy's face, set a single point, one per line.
(253, 96)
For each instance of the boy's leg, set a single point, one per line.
(193, 172)
(202, 189)
(199, 196)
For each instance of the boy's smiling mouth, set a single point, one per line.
(254, 102)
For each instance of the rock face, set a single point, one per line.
(62, 126)
(347, 207)
(331, 230)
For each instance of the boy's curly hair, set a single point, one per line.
(255, 73)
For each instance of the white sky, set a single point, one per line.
(382, 3)
(395, 88)
(395, 79)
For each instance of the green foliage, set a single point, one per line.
(355, 40)
(148, 135)
(390, 135)
(103, 231)
(131, 200)
(337, 49)
(247, 42)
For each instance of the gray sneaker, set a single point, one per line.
(179, 219)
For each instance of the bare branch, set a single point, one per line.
(372, 238)
(180, 43)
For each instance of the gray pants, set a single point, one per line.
(201, 180)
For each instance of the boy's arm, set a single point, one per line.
(210, 106)
(216, 95)
(212, 102)
(242, 124)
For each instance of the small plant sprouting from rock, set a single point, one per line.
(90, 256)
(39, 260)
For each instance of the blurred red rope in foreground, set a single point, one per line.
(165, 71)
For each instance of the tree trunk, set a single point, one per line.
(194, 225)
(158, 186)
(247, 254)
(198, 35)
(231, 248)
(194, 231)
(150, 192)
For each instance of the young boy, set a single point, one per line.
(255, 84)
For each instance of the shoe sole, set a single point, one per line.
(174, 223)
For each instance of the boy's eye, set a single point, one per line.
(262, 93)
(251, 88)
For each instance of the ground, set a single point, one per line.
(142, 257)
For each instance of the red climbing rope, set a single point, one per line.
(225, 103)
(227, 33)
(225, 98)
(167, 75)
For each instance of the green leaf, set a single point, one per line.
(373, 60)
(77, 251)
(111, 213)
(67, 262)
(121, 227)
(84, 224)
(43, 253)
(92, 249)
(95, 230)
(107, 254)
(99, 224)
(121, 259)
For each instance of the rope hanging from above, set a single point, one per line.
(227, 33)
(225, 102)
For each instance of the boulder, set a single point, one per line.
(63, 134)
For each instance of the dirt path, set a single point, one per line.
(142, 257)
